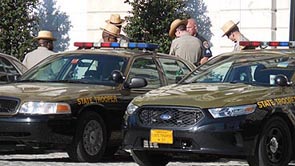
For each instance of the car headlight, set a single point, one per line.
(45, 108)
(232, 111)
(131, 108)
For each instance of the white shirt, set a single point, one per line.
(34, 57)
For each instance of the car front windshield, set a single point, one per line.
(78, 68)
(247, 69)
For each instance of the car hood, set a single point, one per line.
(51, 91)
(207, 95)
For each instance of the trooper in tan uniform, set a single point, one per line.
(115, 19)
(110, 33)
(45, 45)
(184, 45)
(231, 30)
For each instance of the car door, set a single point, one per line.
(8, 72)
(173, 69)
(143, 67)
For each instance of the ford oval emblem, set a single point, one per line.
(165, 116)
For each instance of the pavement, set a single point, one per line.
(61, 159)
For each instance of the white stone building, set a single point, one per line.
(259, 19)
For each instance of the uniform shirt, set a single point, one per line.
(34, 57)
(237, 46)
(187, 47)
(206, 51)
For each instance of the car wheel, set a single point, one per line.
(274, 145)
(144, 158)
(90, 140)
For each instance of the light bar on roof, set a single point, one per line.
(264, 44)
(131, 45)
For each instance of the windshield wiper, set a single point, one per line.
(31, 81)
(71, 81)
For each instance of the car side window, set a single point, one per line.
(173, 68)
(145, 68)
(7, 70)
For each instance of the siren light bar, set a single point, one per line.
(264, 44)
(130, 45)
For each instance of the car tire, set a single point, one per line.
(144, 158)
(90, 140)
(274, 145)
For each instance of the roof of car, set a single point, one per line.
(268, 47)
(122, 49)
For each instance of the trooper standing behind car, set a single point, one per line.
(110, 33)
(45, 47)
(184, 45)
(115, 19)
(232, 31)
(192, 28)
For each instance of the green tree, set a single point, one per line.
(150, 20)
(53, 19)
(17, 21)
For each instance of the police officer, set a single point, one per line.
(192, 28)
(45, 46)
(232, 31)
(184, 45)
(115, 19)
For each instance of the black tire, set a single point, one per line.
(90, 140)
(274, 146)
(144, 158)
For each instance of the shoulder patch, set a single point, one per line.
(205, 44)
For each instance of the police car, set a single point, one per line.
(238, 105)
(10, 68)
(75, 101)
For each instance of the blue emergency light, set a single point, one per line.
(130, 45)
(264, 44)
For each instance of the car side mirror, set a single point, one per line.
(136, 82)
(282, 80)
(117, 76)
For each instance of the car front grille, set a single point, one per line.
(8, 105)
(175, 117)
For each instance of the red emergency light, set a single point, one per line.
(130, 45)
(264, 44)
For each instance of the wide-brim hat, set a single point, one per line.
(112, 30)
(174, 25)
(45, 35)
(228, 26)
(115, 19)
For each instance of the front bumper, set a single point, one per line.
(35, 132)
(225, 136)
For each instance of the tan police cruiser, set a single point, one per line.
(238, 105)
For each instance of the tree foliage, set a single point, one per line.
(17, 21)
(21, 20)
(53, 19)
(150, 20)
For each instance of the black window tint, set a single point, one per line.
(145, 68)
(173, 68)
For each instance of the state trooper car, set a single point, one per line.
(239, 104)
(10, 68)
(75, 101)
